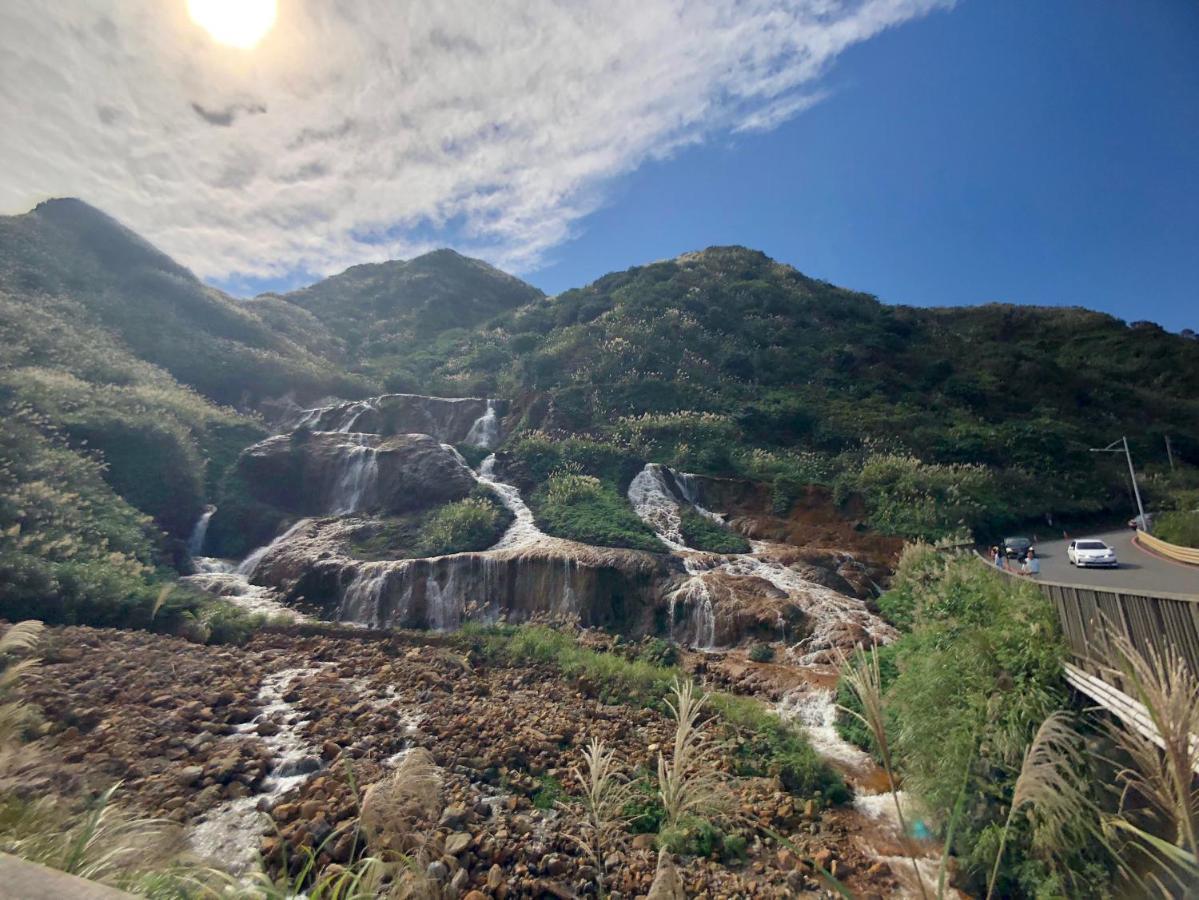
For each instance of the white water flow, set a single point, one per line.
(228, 833)
(358, 475)
(814, 710)
(523, 532)
(230, 580)
(247, 566)
(655, 503)
(485, 432)
(353, 413)
(195, 543)
(837, 620)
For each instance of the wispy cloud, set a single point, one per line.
(359, 125)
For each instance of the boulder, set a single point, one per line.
(330, 473)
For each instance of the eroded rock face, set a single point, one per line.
(449, 419)
(596, 586)
(334, 473)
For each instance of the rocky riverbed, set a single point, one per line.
(281, 726)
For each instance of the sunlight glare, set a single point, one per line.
(235, 23)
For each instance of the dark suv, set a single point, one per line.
(1016, 547)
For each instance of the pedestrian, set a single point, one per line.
(997, 559)
(1032, 565)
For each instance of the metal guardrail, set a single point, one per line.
(1168, 550)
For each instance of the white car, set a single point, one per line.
(1092, 553)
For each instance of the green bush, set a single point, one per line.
(549, 792)
(644, 810)
(1181, 528)
(762, 653)
(978, 669)
(473, 455)
(582, 508)
(696, 836)
(471, 524)
(658, 652)
(702, 533)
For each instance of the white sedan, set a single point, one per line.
(1092, 553)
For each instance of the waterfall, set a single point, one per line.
(688, 486)
(694, 594)
(654, 502)
(195, 543)
(357, 478)
(362, 601)
(250, 563)
(353, 413)
(523, 532)
(443, 603)
(485, 432)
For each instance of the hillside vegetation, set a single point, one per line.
(726, 362)
(117, 362)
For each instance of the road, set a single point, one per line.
(1139, 570)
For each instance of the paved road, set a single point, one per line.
(1139, 570)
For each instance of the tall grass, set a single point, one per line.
(606, 794)
(1160, 775)
(866, 681)
(687, 782)
(1052, 786)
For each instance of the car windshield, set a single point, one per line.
(1015, 542)
(1092, 545)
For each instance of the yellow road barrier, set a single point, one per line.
(1171, 551)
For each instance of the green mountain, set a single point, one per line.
(128, 388)
(385, 319)
(728, 362)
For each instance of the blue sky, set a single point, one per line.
(1007, 150)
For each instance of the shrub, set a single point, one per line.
(582, 508)
(965, 690)
(471, 524)
(703, 533)
(658, 652)
(762, 653)
(549, 792)
(697, 836)
(1181, 528)
(473, 455)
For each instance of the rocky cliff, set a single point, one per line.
(336, 473)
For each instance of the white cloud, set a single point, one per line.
(358, 124)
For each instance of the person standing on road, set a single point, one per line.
(1032, 565)
(997, 559)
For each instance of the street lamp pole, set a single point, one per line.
(1121, 446)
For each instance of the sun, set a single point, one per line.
(235, 23)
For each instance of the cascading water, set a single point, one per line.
(814, 710)
(357, 478)
(195, 543)
(362, 600)
(655, 503)
(231, 580)
(485, 432)
(523, 532)
(658, 494)
(353, 413)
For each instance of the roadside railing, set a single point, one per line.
(1168, 550)
(1091, 616)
